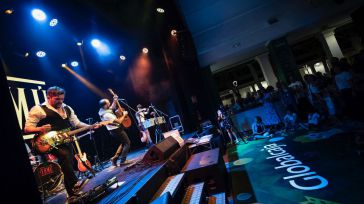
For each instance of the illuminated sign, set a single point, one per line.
(25, 93)
(300, 176)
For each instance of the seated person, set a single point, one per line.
(313, 120)
(259, 130)
(290, 120)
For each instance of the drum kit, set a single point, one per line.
(48, 174)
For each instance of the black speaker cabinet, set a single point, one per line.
(162, 150)
(207, 167)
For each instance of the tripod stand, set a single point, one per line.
(98, 165)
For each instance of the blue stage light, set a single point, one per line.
(96, 43)
(39, 15)
(53, 22)
(41, 53)
(74, 64)
(101, 48)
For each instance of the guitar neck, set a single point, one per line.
(73, 132)
(77, 146)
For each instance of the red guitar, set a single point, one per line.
(82, 163)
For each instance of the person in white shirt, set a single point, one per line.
(54, 115)
(140, 115)
(115, 128)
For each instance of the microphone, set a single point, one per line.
(122, 99)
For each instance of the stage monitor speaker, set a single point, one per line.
(162, 150)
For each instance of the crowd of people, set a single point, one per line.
(319, 99)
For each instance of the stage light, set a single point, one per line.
(173, 32)
(122, 58)
(9, 11)
(53, 22)
(41, 53)
(101, 48)
(160, 10)
(26, 54)
(64, 65)
(96, 43)
(38, 15)
(145, 50)
(79, 43)
(74, 64)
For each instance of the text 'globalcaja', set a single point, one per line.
(301, 176)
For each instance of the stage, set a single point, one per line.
(300, 167)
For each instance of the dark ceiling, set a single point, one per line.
(223, 29)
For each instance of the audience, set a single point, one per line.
(259, 129)
(320, 99)
(290, 120)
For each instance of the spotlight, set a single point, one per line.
(173, 32)
(96, 43)
(145, 50)
(79, 43)
(64, 65)
(26, 54)
(53, 22)
(101, 48)
(160, 10)
(38, 15)
(41, 53)
(9, 11)
(122, 57)
(74, 64)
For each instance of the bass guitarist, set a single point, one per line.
(54, 115)
(115, 128)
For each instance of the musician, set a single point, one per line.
(116, 128)
(54, 115)
(225, 124)
(140, 115)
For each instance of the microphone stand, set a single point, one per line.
(158, 129)
(98, 164)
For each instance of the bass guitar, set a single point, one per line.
(120, 112)
(82, 163)
(44, 143)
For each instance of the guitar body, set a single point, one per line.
(82, 163)
(46, 142)
(127, 121)
(119, 112)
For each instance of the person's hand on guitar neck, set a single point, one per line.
(114, 102)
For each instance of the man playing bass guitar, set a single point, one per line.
(115, 128)
(54, 115)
